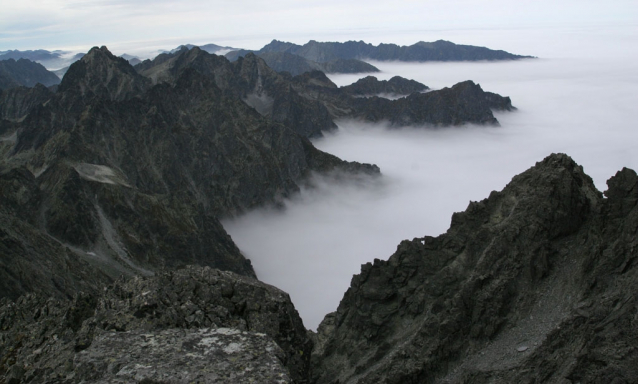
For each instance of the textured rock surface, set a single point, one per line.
(537, 283)
(24, 72)
(370, 86)
(221, 355)
(17, 102)
(41, 337)
(437, 51)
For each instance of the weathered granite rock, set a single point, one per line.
(221, 355)
(42, 338)
(537, 283)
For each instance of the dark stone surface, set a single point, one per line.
(46, 340)
(534, 284)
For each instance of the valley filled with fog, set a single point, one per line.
(579, 97)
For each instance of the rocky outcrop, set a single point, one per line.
(396, 86)
(221, 355)
(159, 329)
(439, 50)
(24, 72)
(125, 177)
(534, 284)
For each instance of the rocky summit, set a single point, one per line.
(176, 327)
(536, 283)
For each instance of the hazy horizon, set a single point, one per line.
(132, 26)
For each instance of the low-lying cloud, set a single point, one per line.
(579, 100)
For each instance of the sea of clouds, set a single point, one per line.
(579, 97)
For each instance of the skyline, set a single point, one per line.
(143, 27)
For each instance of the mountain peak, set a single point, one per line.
(101, 74)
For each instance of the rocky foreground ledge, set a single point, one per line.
(537, 283)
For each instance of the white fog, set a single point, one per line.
(579, 97)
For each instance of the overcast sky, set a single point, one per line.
(129, 26)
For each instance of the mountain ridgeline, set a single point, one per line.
(439, 50)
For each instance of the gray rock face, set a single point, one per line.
(534, 284)
(17, 102)
(175, 312)
(222, 355)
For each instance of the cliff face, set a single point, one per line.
(114, 175)
(534, 284)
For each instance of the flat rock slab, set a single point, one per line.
(222, 355)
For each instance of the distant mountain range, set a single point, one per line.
(440, 50)
(328, 57)
(24, 72)
(52, 60)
